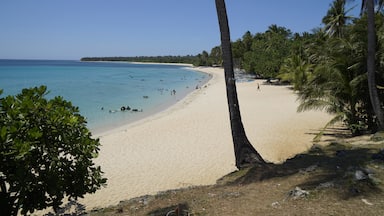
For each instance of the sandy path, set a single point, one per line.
(190, 143)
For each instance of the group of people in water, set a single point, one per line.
(161, 90)
(124, 108)
(128, 108)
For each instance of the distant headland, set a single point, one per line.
(188, 59)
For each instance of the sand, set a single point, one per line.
(190, 143)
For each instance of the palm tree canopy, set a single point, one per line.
(337, 18)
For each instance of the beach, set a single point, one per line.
(190, 143)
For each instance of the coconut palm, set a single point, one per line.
(369, 7)
(245, 154)
(296, 71)
(337, 18)
(338, 85)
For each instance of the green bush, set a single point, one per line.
(46, 153)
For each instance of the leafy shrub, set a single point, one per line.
(46, 153)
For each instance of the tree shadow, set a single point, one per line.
(72, 208)
(350, 169)
(332, 133)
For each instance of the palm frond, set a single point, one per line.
(357, 81)
(313, 104)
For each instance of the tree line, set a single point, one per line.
(330, 71)
(187, 59)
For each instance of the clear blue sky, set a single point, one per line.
(71, 29)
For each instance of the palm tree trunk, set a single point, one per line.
(373, 92)
(245, 154)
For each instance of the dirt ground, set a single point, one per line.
(340, 176)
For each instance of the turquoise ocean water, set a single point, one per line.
(100, 89)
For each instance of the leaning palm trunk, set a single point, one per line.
(245, 154)
(373, 92)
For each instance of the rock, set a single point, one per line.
(361, 175)
(275, 204)
(378, 136)
(211, 194)
(298, 193)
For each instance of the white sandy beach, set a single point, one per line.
(190, 143)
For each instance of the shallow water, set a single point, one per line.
(100, 89)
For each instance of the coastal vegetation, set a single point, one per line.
(46, 153)
(332, 71)
(189, 59)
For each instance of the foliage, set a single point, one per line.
(338, 83)
(296, 71)
(202, 59)
(336, 19)
(188, 59)
(263, 53)
(215, 56)
(46, 153)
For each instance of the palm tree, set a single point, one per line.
(245, 154)
(336, 19)
(296, 71)
(338, 86)
(369, 5)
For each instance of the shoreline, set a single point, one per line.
(190, 144)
